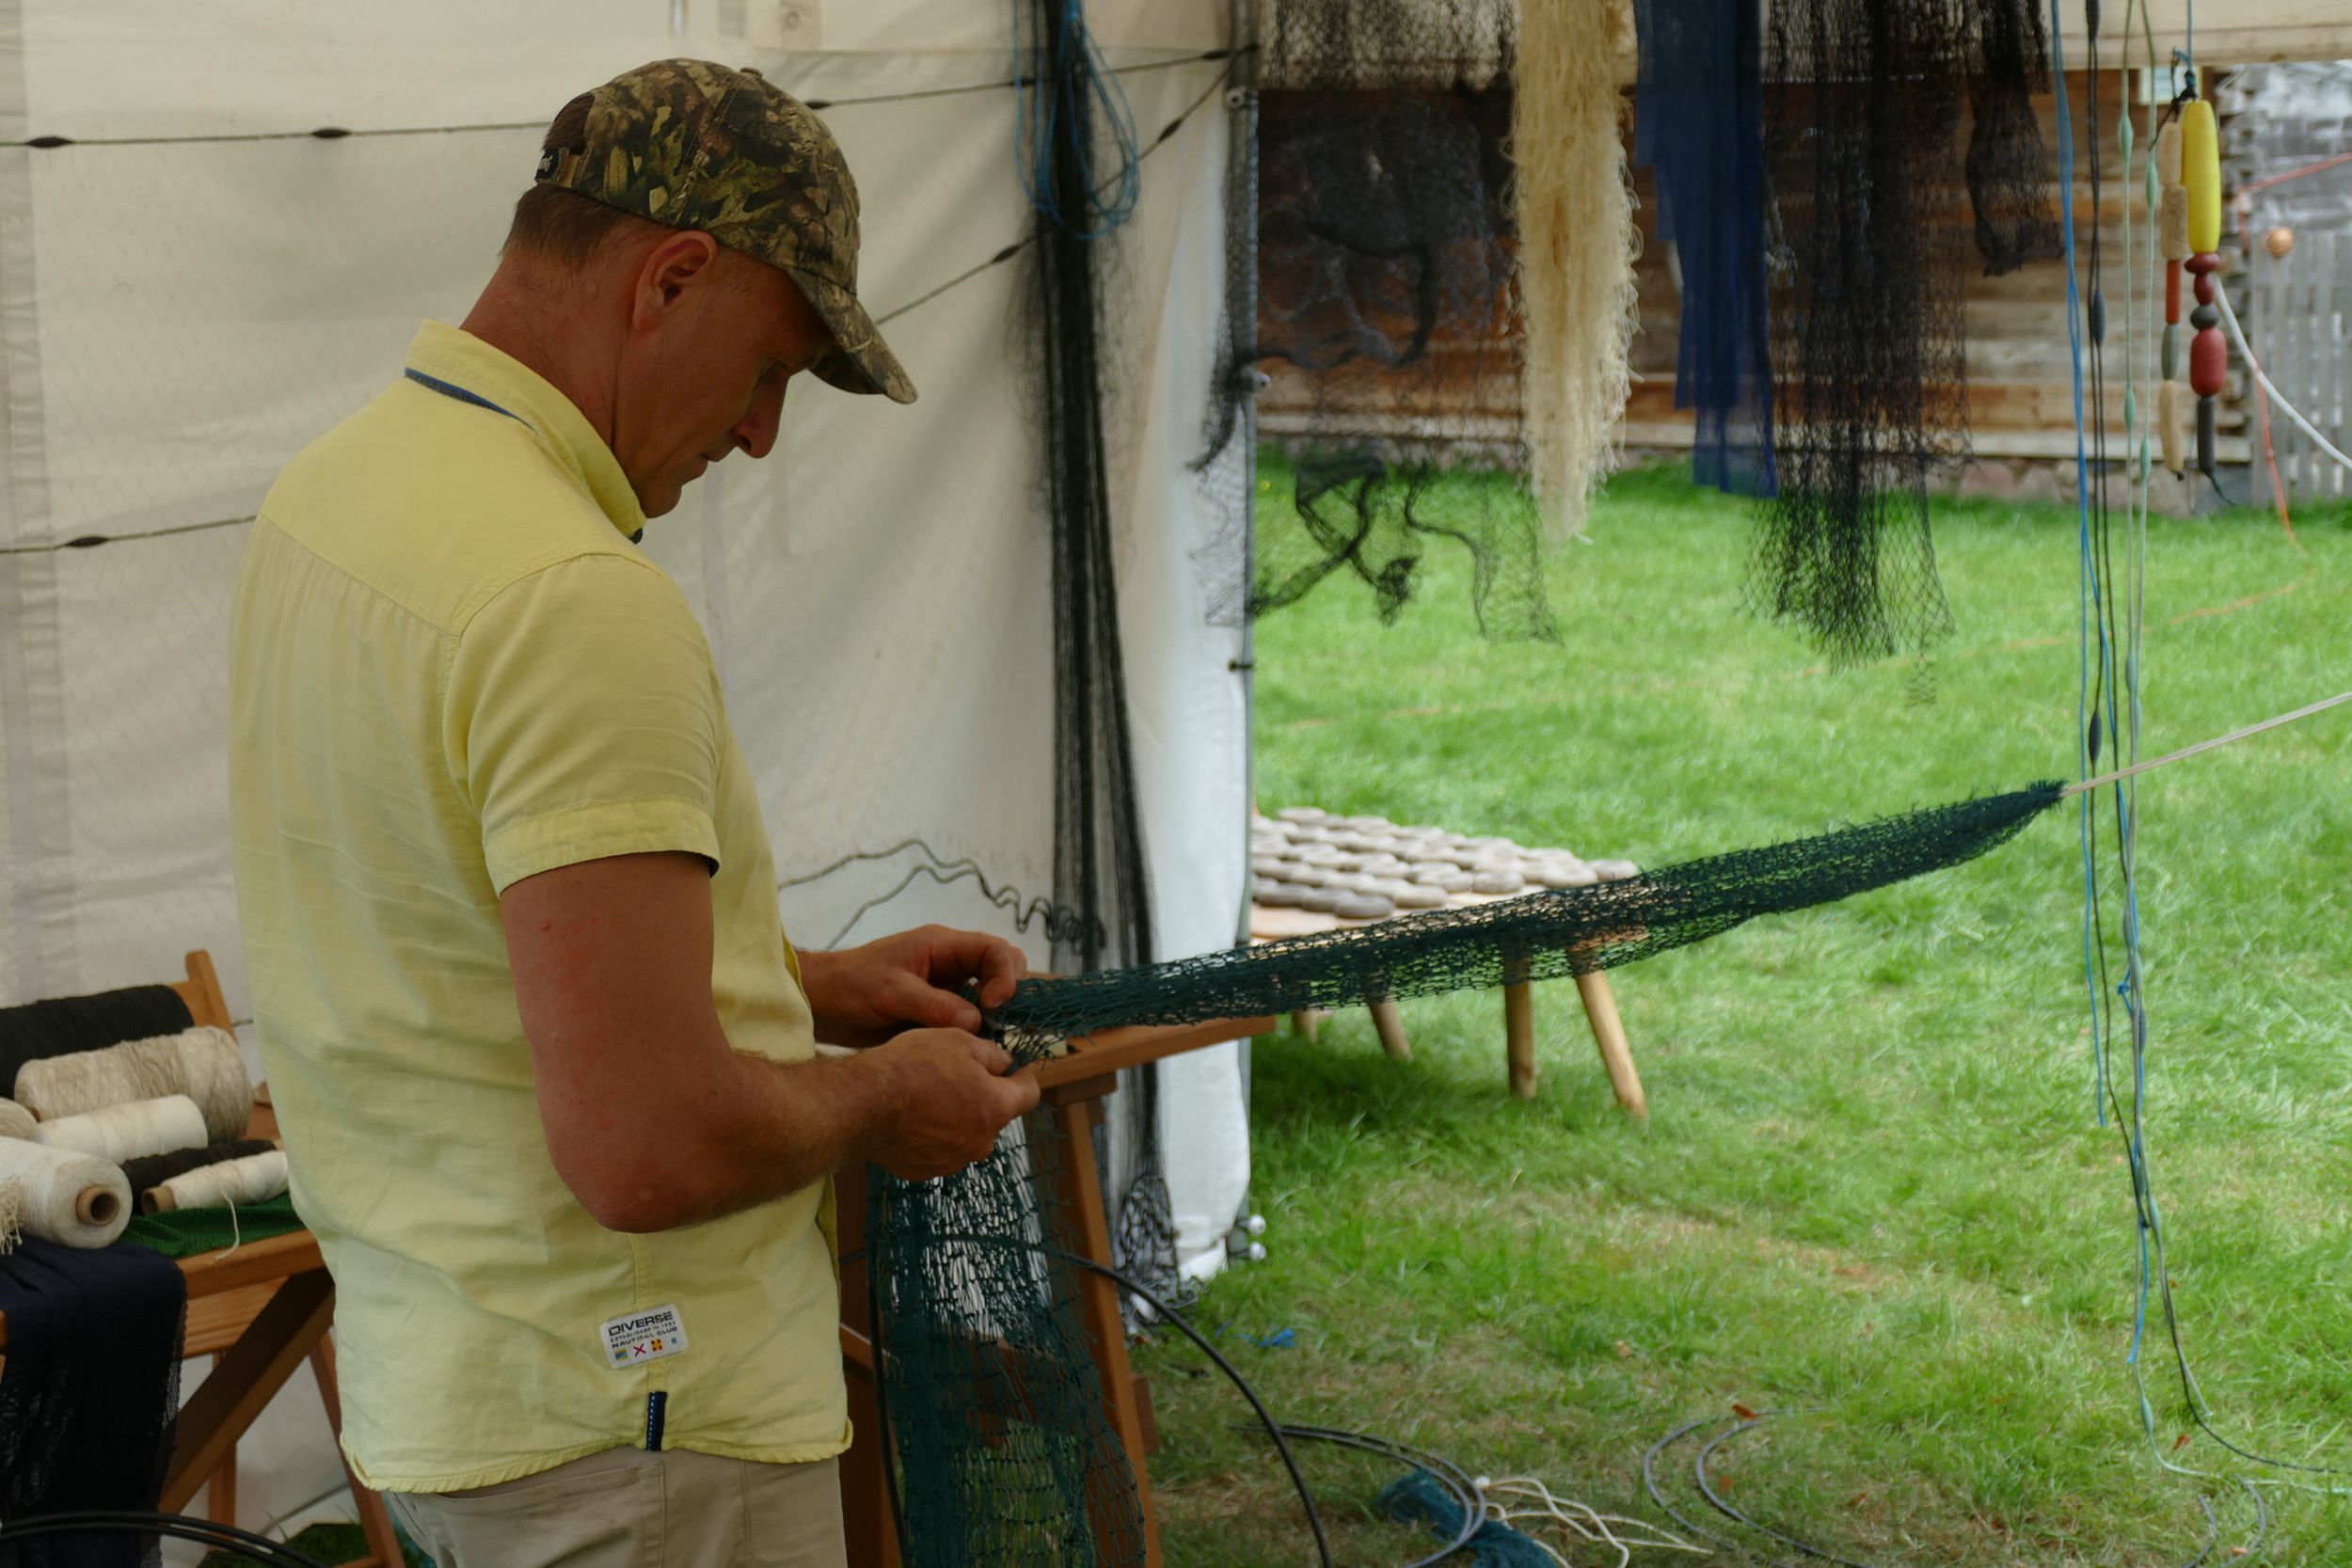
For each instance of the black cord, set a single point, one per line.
(1657, 1495)
(339, 133)
(1442, 1470)
(92, 540)
(261, 1548)
(1723, 1505)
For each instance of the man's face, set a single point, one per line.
(717, 342)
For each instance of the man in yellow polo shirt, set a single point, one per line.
(545, 1062)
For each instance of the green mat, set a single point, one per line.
(185, 1232)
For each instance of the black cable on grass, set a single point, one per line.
(1723, 1505)
(261, 1548)
(1447, 1474)
(1656, 1494)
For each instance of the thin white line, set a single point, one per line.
(2221, 297)
(2207, 745)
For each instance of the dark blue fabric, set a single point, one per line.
(451, 389)
(89, 1393)
(1699, 125)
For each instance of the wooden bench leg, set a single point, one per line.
(1600, 1008)
(1303, 1024)
(1518, 1038)
(375, 1520)
(1390, 1025)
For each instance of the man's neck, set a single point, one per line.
(546, 329)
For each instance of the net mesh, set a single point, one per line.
(2009, 170)
(1516, 941)
(1387, 309)
(1860, 119)
(994, 1410)
(1003, 1452)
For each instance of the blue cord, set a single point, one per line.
(1063, 85)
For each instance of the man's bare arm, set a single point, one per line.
(652, 1118)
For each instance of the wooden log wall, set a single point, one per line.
(2020, 389)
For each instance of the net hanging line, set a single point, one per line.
(2181, 183)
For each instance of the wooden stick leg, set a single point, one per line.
(1071, 1121)
(1304, 1024)
(375, 1520)
(1390, 1025)
(1518, 1038)
(1600, 1008)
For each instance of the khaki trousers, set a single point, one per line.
(626, 1508)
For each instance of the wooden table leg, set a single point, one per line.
(247, 1377)
(1518, 1038)
(220, 1493)
(1303, 1024)
(375, 1520)
(870, 1532)
(1080, 1194)
(1600, 1008)
(1390, 1025)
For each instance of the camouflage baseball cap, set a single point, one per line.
(699, 146)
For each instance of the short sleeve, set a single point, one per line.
(582, 719)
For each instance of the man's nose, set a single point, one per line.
(755, 432)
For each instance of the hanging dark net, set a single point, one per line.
(1861, 117)
(1512, 942)
(1385, 312)
(2010, 168)
(1002, 1451)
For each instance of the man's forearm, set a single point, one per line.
(761, 1129)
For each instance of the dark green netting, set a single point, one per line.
(1512, 942)
(185, 1232)
(995, 1421)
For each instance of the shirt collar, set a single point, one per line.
(453, 355)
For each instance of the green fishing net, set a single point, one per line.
(996, 1421)
(1002, 1449)
(1539, 937)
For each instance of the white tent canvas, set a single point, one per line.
(187, 295)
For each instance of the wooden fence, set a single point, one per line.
(2297, 311)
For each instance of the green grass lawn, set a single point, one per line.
(1871, 1187)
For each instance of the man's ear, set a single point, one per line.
(683, 259)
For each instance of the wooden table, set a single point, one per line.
(1073, 1087)
(258, 1311)
(1271, 923)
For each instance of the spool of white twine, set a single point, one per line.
(131, 1132)
(60, 1196)
(203, 1064)
(15, 1120)
(255, 1179)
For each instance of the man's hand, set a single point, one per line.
(915, 980)
(949, 1097)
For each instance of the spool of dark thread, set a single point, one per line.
(156, 1169)
(64, 1025)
